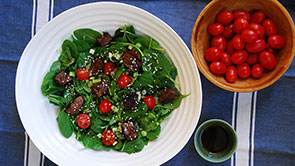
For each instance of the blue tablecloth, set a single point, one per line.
(263, 120)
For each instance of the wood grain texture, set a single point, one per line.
(200, 41)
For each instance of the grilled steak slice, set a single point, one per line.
(74, 107)
(99, 89)
(129, 130)
(168, 95)
(96, 67)
(105, 39)
(62, 78)
(130, 101)
(131, 61)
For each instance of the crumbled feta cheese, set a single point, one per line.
(91, 51)
(143, 92)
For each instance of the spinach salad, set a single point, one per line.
(113, 91)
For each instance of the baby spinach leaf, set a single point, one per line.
(48, 86)
(88, 35)
(59, 100)
(144, 79)
(140, 111)
(65, 124)
(55, 67)
(154, 134)
(98, 125)
(67, 44)
(66, 58)
(133, 146)
(176, 103)
(82, 46)
(149, 122)
(164, 63)
(93, 142)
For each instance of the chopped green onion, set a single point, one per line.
(91, 78)
(99, 135)
(89, 84)
(135, 74)
(143, 133)
(96, 80)
(72, 74)
(114, 108)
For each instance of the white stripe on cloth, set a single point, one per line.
(233, 119)
(34, 157)
(253, 128)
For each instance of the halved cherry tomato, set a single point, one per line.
(212, 54)
(269, 27)
(130, 52)
(105, 106)
(217, 68)
(238, 42)
(229, 47)
(225, 17)
(252, 59)
(276, 41)
(108, 68)
(244, 70)
(249, 36)
(215, 29)
(83, 121)
(239, 57)
(231, 74)
(82, 74)
(228, 31)
(240, 24)
(219, 42)
(259, 29)
(257, 71)
(258, 17)
(150, 102)
(225, 58)
(123, 80)
(267, 60)
(241, 14)
(108, 137)
(256, 47)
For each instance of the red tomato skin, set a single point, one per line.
(229, 47)
(212, 54)
(249, 36)
(244, 70)
(108, 137)
(239, 57)
(276, 41)
(108, 68)
(105, 106)
(252, 59)
(225, 58)
(231, 74)
(268, 48)
(238, 42)
(218, 68)
(225, 17)
(83, 121)
(258, 17)
(269, 27)
(240, 24)
(82, 74)
(123, 80)
(228, 31)
(241, 14)
(150, 102)
(219, 42)
(259, 29)
(257, 71)
(256, 47)
(215, 29)
(267, 60)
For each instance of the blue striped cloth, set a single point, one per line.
(263, 120)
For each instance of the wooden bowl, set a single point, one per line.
(200, 41)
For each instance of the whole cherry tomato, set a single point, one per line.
(276, 41)
(238, 42)
(257, 71)
(269, 27)
(108, 137)
(259, 29)
(83, 121)
(105, 106)
(108, 68)
(241, 14)
(215, 29)
(229, 47)
(267, 60)
(252, 59)
(240, 24)
(249, 36)
(239, 57)
(123, 80)
(212, 54)
(150, 102)
(268, 48)
(244, 70)
(231, 74)
(258, 17)
(217, 67)
(225, 58)
(256, 47)
(82, 74)
(219, 42)
(225, 17)
(228, 31)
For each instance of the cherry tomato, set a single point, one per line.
(269, 27)
(108, 137)
(217, 68)
(267, 60)
(252, 59)
(108, 68)
(105, 106)
(276, 41)
(228, 31)
(225, 58)
(241, 14)
(259, 29)
(268, 48)
(225, 17)
(130, 52)
(150, 102)
(123, 80)
(258, 17)
(231, 74)
(256, 47)
(240, 24)
(215, 29)
(244, 70)
(212, 54)
(239, 57)
(82, 74)
(249, 36)
(229, 47)
(238, 42)
(219, 42)
(83, 121)
(257, 71)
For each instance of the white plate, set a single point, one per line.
(39, 117)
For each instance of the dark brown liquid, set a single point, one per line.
(214, 139)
